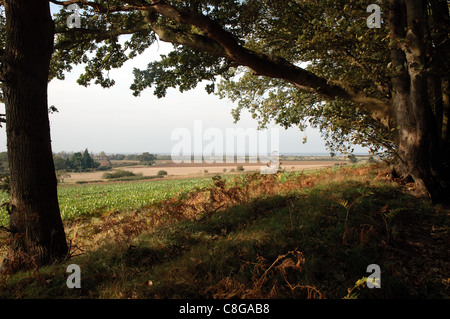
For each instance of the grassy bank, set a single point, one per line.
(258, 236)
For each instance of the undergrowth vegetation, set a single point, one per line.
(287, 235)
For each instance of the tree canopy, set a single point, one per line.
(290, 61)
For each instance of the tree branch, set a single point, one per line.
(195, 41)
(270, 66)
(100, 34)
(132, 5)
(220, 42)
(382, 88)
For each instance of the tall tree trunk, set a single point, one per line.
(419, 144)
(35, 219)
(440, 73)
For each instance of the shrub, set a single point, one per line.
(240, 168)
(353, 158)
(162, 172)
(118, 174)
(61, 176)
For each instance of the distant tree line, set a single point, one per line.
(82, 162)
(144, 158)
(77, 162)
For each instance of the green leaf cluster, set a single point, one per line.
(331, 39)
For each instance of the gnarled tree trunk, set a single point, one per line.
(35, 220)
(422, 152)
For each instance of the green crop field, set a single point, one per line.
(85, 200)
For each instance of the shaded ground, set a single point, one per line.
(309, 235)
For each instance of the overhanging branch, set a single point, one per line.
(274, 67)
(99, 34)
(220, 42)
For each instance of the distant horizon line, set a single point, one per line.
(224, 155)
(169, 154)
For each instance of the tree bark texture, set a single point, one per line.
(420, 148)
(35, 219)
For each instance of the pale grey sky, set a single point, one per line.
(114, 121)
